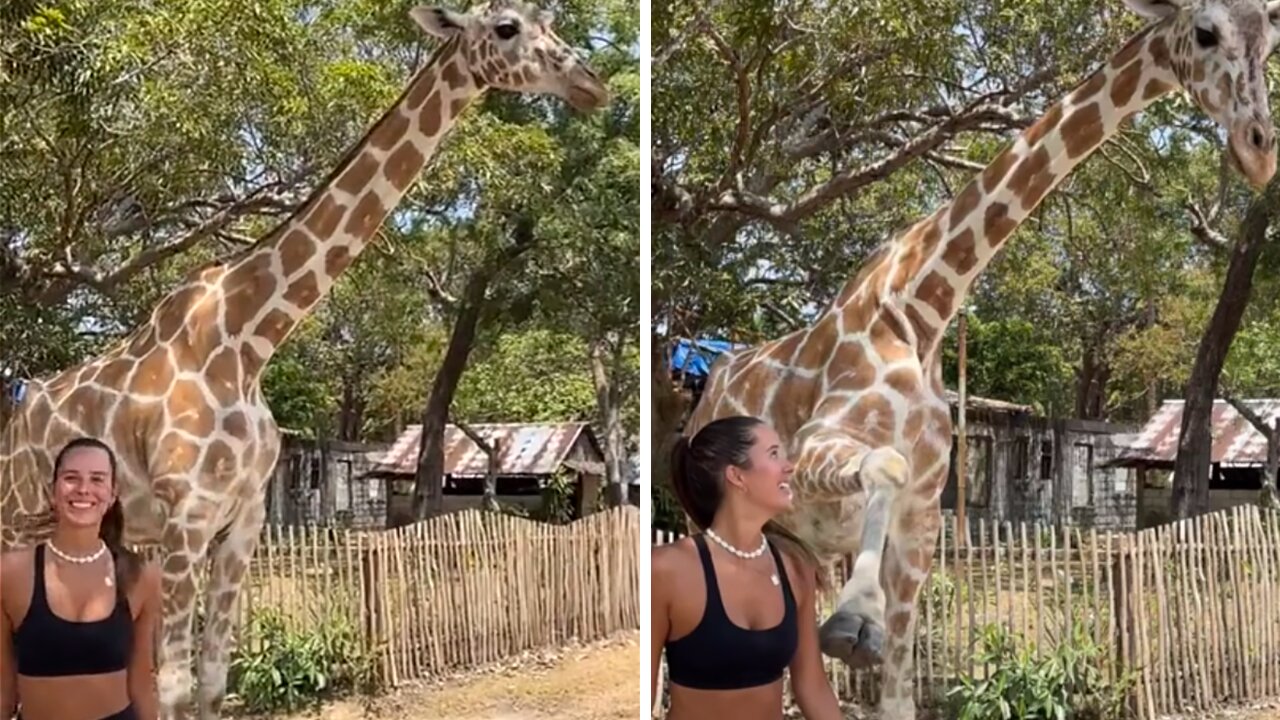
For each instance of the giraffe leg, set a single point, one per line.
(908, 559)
(855, 631)
(229, 561)
(184, 551)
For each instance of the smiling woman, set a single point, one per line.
(727, 647)
(82, 616)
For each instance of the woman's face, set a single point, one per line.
(766, 479)
(83, 488)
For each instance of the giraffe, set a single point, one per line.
(180, 400)
(858, 395)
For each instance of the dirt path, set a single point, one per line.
(598, 682)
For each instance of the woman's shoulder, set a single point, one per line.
(674, 557)
(17, 560)
(149, 576)
(145, 581)
(16, 569)
(800, 570)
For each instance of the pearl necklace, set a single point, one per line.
(85, 560)
(109, 579)
(764, 544)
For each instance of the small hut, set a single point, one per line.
(1239, 456)
(529, 456)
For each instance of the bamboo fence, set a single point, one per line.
(453, 592)
(1189, 610)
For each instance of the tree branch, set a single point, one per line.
(848, 181)
(1202, 231)
(1257, 421)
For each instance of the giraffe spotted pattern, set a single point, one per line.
(179, 400)
(858, 396)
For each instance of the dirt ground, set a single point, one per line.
(1269, 711)
(1266, 711)
(596, 682)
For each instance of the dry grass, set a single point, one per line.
(595, 682)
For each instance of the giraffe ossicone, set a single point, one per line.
(858, 396)
(179, 399)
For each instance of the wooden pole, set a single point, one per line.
(962, 444)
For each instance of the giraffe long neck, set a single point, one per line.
(928, 270)
(273, 288)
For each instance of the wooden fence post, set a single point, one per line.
(369, 607)
(1122, 592)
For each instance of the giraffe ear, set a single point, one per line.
(1155, 9)
(440, 22)
(1273, 11)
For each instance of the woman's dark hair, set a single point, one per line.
(697, 475)
(127, 563)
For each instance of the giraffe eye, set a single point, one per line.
(1206, 38)
(507, 30)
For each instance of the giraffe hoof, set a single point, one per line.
(854, 639)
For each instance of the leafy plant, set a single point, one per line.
(280, 669)
(1070, 683)
(557, 499)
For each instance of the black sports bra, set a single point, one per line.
(719, 655)
(49, 646)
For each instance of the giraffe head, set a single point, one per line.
(1218, 50)
(510, 45)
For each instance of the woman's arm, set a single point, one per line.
(659, 619)
(808, 679)
(8, 673)
(142, 685)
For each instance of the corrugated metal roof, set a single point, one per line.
(532, 449)
(1235, 440)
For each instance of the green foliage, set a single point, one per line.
(1068, 684)
(557, 499)
(1013, 359)
(533, 376)
(276, 669)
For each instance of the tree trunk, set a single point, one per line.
(606, 362)
(493, 452)
(1091, 388)
(668, 408)
(428, 482)
(1270, 499)
(351, 414)
(1190, 495)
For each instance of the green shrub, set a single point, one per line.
(1068, 684)
(276, 668)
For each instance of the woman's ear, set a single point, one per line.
(733, 478)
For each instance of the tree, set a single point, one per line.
(1191, 469)
(428, 486)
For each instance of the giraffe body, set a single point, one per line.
(179, 400)
(858, 396)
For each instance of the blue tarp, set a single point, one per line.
(694, 357)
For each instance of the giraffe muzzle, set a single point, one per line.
(586, 93)
(1251, 147)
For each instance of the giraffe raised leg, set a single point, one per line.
(855, 632)
(908, 558)
(229, 561)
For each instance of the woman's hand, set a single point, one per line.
(808, 679)
(142, 686)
